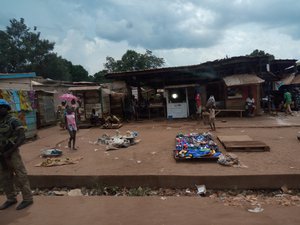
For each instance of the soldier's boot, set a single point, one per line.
(8, 203)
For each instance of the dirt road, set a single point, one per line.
(153, 155)
(144, 210)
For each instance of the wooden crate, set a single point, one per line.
(245, 146)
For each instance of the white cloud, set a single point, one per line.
(183, 32)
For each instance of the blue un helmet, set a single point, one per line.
(3, 102)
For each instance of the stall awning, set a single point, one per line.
(85, 88)
(242, 79)
(181, 86)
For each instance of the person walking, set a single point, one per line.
(287, 97)
(71, 127)
(212, 118)
(198, 105)
(12, 135)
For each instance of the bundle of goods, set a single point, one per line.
(119, 141)
(51, 152)
(196, 146)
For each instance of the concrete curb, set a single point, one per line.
(272, 181)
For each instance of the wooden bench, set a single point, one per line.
(230, 110)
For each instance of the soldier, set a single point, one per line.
(12, 135)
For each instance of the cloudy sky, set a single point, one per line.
(183, 32)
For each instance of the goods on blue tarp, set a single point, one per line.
(196, 146)
(53, 152)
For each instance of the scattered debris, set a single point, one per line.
(75, 192)
(228, 159)
(285, 189)
(60, 193)
(257, 209)
(118, 141)
(201, 190)
(247, 199)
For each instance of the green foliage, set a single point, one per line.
(22, 49)
(79, 73)
(54, 67)
(99, 77)
(257, 52)
(132, 61)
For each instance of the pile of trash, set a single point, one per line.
(119, 141)
(228, 159)
(111, 122)
(195, 146)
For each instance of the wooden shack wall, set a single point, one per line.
(46, 110)
(25, 110)
(239, 103)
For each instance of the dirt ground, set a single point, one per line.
(144, 210)
(153, 155)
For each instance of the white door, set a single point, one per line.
(177, 104)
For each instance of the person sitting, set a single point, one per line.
(250, 105)
(95, 120)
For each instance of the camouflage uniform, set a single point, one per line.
(12, 166)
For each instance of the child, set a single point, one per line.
(212, 117)
(71, 127)
(205, 116)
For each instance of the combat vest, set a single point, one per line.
(7, 132)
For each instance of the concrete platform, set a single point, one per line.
(150, 163)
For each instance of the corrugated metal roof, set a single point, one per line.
(296, 80)
(16, 75)
(242, 79)
(287, 79)
(36, 83)
(84, 88)
(182, 86)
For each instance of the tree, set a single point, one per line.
(132, 61)
(78, 73)
(99, 77)
(54, 67)
(257, 52)
(21, 50)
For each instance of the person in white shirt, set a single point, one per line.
(250, 105)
